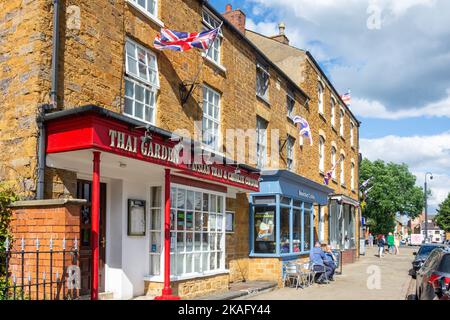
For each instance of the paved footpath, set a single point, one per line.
(359, 281)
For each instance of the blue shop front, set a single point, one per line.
(282, 215)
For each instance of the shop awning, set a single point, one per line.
(95, 128)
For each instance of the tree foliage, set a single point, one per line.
(392, 190)
(443, 215)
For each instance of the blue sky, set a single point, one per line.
(394, 55)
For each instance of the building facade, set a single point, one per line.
(109, 120)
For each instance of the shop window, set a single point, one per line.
(211, 118)
(285, 231)
(155, 230)
(198, 231)
(209, 23)
(141, 82)
(307, 229)
(297, 230)
(265, 229)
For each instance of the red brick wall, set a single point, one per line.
(43, 220)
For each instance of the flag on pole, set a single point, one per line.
(183, 41)
(329, 174)
(365, 183)
(347, 98)
(305, 130)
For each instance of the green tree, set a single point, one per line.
(392, 190)
(443, 215)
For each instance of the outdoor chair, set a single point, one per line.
(320, 273)
(291, 275)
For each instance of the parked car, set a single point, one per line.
(434, 275)
(445, 291)
(421, 256)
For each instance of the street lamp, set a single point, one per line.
(426, 205)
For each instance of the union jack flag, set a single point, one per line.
(347, 98)
(183, 41)
(329, 174)
(305, 130)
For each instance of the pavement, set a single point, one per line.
(369, 278)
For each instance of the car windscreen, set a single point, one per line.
(444, 266)
(426, 250)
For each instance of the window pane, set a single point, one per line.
(219, 204)
(180, 220)
(213, 203)
(198, 221)
(212, 241)
(155, 264)
(181, 197)
(307, 230)
(198, 201)
(189, 263)
(297, 230)
(173, 219)
(156, 196)
(180, 242)
(205, 202)
(212, 261)
(129, 88)
(155, 242)
(155, 221)
(189, 241)
(180, 264)
(265, 238)
(205, 242)
(284, 230)
(205, 262)
(205, 222)
(212, 222)
(132, 65)
(190, 200)
(138, 110)
(128, 106)
(197, 241)
(189, 221)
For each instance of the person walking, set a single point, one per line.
(390, 242)
(397, 244)
(381, 243)
(370, 240)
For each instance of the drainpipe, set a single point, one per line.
(53, 103)
(55, 50)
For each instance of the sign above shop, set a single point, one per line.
(92, 131)
(306, 195)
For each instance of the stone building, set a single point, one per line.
(336, 139)
(104, 124)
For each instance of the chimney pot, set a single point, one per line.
(228, 8)
(281, 28)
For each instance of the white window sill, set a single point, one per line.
(136, 118)
(146, 13)
(208, 149)
(265, 99)
(214, 63)
(187, 277)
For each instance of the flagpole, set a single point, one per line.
(200, 68)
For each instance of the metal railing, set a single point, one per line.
(34, 272)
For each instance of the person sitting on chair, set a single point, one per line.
(318, 258)
(331, 261)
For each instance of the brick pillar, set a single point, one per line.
(42, 222)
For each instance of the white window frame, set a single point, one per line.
(341, 122)
(262, 70)
(211, 22)
(261, 142)
(321, 154)
(137, 80)
(320, 97)
(219, 235)
(211, 118)
(156, 229)
(342, 170)
(333, 161)
(333, 112)
(290, 103)
(151, 15)
(290, 153)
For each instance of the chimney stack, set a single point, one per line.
(235, 17)
(281, 36)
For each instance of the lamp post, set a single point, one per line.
(426, 205)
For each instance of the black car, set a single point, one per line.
(421, 256)
(434, 275)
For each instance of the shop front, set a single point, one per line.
(146, 198)
(343, 226)
(282, 221)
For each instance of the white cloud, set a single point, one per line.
(403, 65)
(421, 153)
(375, 109)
